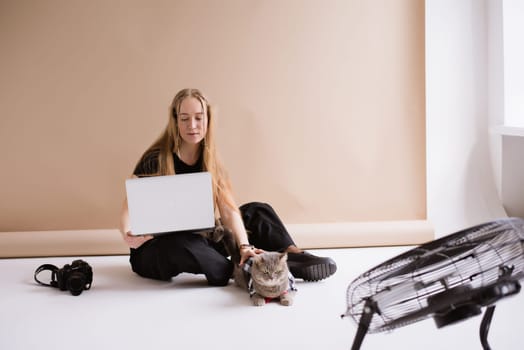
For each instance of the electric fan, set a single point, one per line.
(449, 279)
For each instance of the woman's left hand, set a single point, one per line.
(247, 252)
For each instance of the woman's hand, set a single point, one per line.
(136, 241)
(248, 251)
(131, 240)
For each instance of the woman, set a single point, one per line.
(187, 145)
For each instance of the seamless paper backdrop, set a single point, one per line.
(320, 104)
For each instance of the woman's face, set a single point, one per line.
(192, 121)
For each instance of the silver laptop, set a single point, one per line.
(171, 203)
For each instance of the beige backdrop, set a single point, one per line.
(321, 103)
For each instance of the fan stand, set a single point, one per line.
(370, 308)
(467, 311)
(487, 295)
(484, 326)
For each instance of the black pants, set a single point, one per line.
(166, 256)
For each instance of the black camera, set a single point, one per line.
(75, 278)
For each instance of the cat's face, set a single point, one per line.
(270, 268)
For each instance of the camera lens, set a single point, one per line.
(76, 283)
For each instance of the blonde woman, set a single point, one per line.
(187, 145)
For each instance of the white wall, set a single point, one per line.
(509, 141)
(495, 85)
(513, 14)
(460, 181)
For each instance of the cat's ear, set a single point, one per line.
(283, 256)
(258, 258)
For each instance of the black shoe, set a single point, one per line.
(310, 267)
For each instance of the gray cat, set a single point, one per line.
(266, 276)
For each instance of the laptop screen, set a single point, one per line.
(171, 203)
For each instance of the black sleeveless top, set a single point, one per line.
(149, 165)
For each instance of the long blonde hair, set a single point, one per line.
(170, 141)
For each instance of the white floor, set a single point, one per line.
(124, 311)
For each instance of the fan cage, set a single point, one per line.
(400, 287)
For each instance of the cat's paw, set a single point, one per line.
(286, 299)
(258, 300)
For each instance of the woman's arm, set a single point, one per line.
(124, 218)
(232, 219)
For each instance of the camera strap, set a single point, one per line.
(53, 270)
